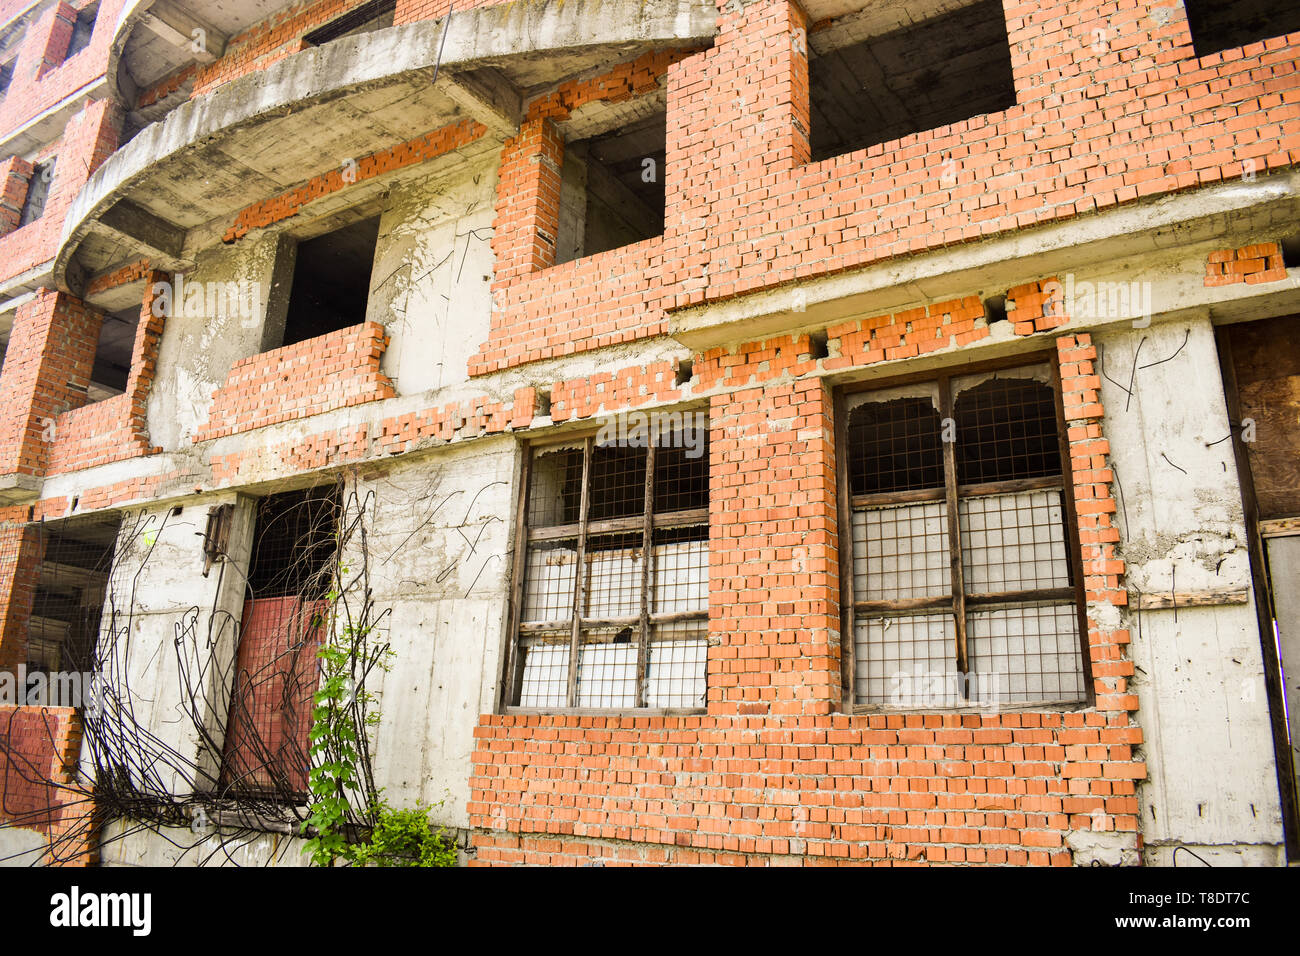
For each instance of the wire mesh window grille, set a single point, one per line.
(964, 574)
(611, 576)
(283, 623)
(76, 557)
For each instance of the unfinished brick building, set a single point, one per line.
(765, 432)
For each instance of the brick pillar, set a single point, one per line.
(22, 549)
(144, 357)
(737, 113)
(1103, 568)
(15, 175)
(46, 371)
(54, 33)
(774, 566)
(528, 200)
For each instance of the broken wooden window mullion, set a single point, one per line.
(647, 551)
(579, 576)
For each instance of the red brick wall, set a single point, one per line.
(38, 749)
(418, 150)
(745, 210)
(116, 428)
(306, 378)
(15, 177)
(771, 771)
(46, 372)
(21, 551)
(1258, 263)
(42, 78)
(89, 138)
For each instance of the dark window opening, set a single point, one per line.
(995, 309)
(1291, 251)
(82, 29)
(112, 368)
(895, 446)
(331, 281)
(1006, 429)
(939, 71)
(376, 15)
(6, 76)
(1219, 25)
(685, 372)
(68, 603)
(38, 191)
(818, 346)
(612, 189)
(293, 544)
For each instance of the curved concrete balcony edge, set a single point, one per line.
(505, 37)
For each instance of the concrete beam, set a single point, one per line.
(157, 239)
(180, 28)
(485, 95)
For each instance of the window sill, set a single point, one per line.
(604, 711)
(1009, 707)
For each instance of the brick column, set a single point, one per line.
(737, 114)
(144, 357)
(774, 571)
(46, 371)
(528, 200)
(56, 28)
(1103, 568)
(15, 175)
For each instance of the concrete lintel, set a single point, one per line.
(144, 231)
(1221, 216)
(485, 95)
(19, 489)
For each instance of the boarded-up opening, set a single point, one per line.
(1266, 362)
(939, 71)
(1261, 370)
(284, 620)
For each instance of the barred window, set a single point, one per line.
(611, 574)
(963, 583)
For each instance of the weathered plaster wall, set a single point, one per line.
(157, 592)
(197, 350)
(1199, 677)
(178, 847)
(439, 544)
(431, 285)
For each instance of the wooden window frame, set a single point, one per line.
(647, 523)
(950, 494)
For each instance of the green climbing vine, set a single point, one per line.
(349, 820)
